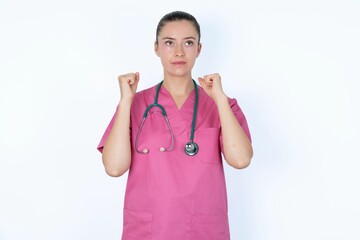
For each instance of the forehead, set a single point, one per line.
(179, 29)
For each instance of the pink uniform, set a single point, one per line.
(170, 195)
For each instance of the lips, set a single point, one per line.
(178, 63)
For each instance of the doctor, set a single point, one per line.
(170, 193)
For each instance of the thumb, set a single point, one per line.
(137, 76)
(201, 81)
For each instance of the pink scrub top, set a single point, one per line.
(170, 195)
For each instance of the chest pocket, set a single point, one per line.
(208, 140)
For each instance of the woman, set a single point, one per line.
(176, 185)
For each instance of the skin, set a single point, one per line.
(177, 46)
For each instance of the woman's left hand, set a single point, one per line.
(211, 83)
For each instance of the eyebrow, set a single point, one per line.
(170, 38)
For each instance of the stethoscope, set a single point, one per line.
(191, 148)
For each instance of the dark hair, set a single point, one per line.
(177, 16)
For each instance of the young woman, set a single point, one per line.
(170, 137)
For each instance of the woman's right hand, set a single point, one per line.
(128, 84)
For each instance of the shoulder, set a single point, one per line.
(145, 94)
(203, 97)
(141, 100)
(208, 100)
(146, 91)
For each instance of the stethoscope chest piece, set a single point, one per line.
(191, 148)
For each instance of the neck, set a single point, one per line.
(179, 86)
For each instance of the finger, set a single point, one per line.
(136, 81)
(208, 80)
(137, 76)
(131, 78)
(125, 78)
(201, 81)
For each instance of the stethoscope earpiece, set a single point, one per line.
(191, 148)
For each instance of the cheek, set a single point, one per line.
(192, 53)
(165, 52)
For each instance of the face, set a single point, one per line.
(178, 47)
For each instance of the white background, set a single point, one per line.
(293, 66)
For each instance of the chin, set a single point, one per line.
(181, 73)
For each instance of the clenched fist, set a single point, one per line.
(212, 85)
(128, 84)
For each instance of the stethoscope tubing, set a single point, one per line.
(141, 127)
(191, 148)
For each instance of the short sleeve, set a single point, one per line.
(241, 119)
(106, 133)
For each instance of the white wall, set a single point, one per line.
(292, 65)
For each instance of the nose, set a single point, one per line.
(179, 51)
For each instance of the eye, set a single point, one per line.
(189, 43)
(169, 43)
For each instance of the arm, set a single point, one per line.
(237, 147)
(116, 154)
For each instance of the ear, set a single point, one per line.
(156, 48)
(199, 49)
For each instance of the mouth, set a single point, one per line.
(178, 63)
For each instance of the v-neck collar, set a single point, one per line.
(191, 96)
